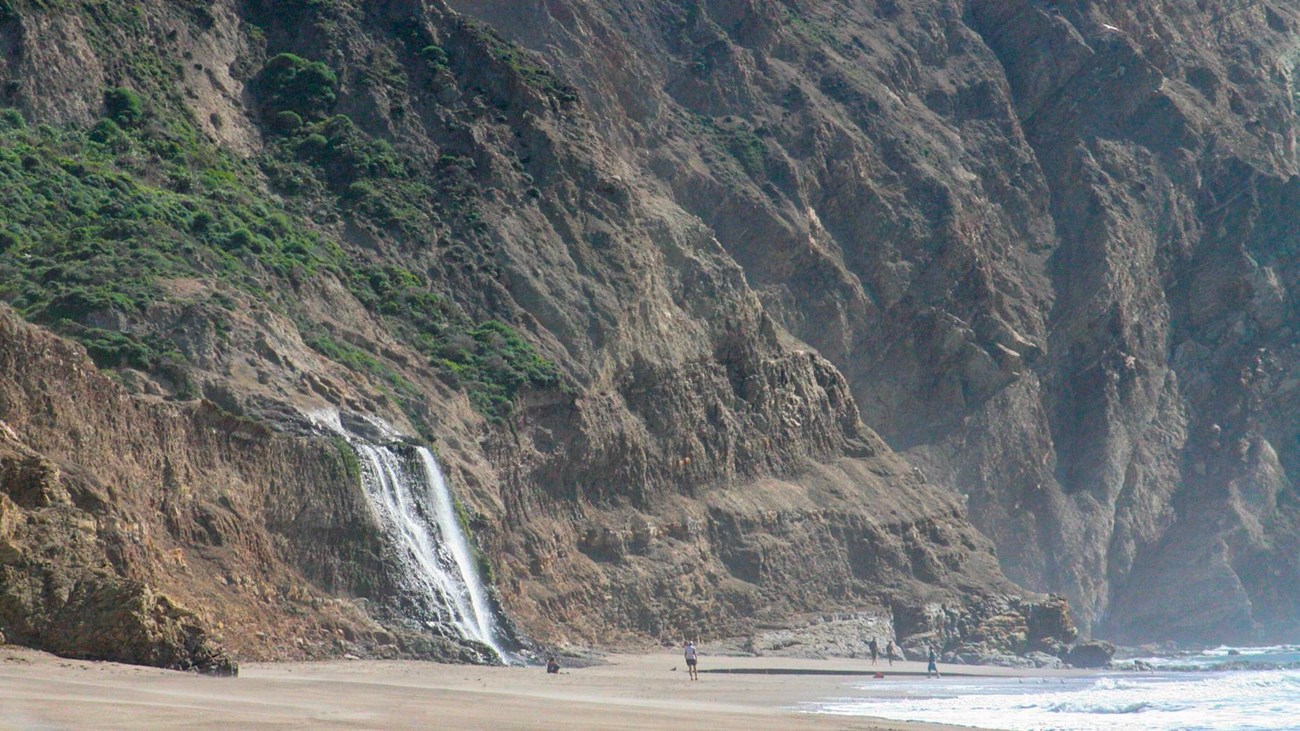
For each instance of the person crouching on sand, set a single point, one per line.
(691, 659)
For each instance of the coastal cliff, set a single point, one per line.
(717, 313)
(1048, 247)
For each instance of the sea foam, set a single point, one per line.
(1263, 700)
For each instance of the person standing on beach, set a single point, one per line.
(875, 649)
(890, 653)
(932, 670)
(691, 659)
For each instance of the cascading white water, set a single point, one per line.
(415, 506)
(455, 542)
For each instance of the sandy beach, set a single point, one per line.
(40, 691)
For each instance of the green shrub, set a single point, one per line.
(348, 458)
(111, 349)
(201, 222)
(79, 300)
(346, 154)
(435, 56)
(490, 361)
(11, 119)
(294, 84)
(107, 133)
(313, 145)
(345, 354)
(286, 122)
(85, 233)
(358, 191)
(124, 106)
(748, 150)
(241, 239)
(494, 363)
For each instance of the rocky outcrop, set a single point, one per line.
(59, 590)
(173, 534)
(990, 626)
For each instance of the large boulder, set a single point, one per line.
(126, 621)
(1091, 654)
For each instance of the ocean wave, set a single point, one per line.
(1118, 708)
(1230, 657)
(1227, 650)
(1259, 700)
(1114, 683)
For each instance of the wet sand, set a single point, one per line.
(39, 691)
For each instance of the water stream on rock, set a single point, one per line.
(439, 572)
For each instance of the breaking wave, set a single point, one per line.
(1259, 700)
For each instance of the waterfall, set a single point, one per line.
(439, 572)
(454, 541)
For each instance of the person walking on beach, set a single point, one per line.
(932, 670)
(691, 659)
(875, 649)
(890, 653)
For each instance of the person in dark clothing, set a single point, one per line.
(552, 665)
(932, 670)
(875, 649)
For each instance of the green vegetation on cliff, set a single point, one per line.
(99, 220)
(114, 223)
(96, 219)
(489, 360)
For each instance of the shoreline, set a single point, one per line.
(628, 691)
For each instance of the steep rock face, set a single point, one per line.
(448, 244)
(1174, 301)
(1047, 247)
